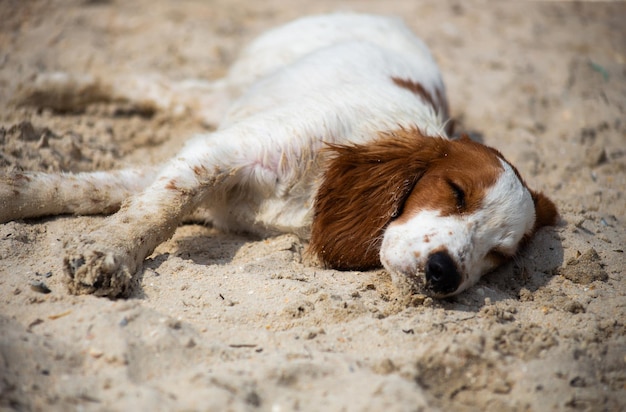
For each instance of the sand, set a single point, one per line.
(228, 322)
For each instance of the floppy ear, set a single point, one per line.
(546, 212)
(363, 188)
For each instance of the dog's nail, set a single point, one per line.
(108, 264)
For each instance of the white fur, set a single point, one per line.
(507, 214)
(318, 80)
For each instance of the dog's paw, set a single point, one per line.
(100, 271)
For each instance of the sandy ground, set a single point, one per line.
(225, 322)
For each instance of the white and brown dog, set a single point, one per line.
(335, 130)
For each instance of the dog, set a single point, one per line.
(335, 128)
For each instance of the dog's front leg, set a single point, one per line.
(33, 194)
(104, 262)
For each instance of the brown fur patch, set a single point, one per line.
(367, 186)
(439, 103)
(171, 185)
(417, 89)
(363, 189)
(545, 210)
(464, 167)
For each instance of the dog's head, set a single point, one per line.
(438, 212)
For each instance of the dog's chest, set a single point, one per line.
(267, 197)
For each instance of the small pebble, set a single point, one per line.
(418, 299)
(39, 286)
(95, 353)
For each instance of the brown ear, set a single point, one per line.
(545, 211)
(363, 189)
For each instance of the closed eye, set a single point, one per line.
(459, 196)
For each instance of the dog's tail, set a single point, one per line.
(35, 194)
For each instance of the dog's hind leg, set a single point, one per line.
(35, 194)
(204, 100)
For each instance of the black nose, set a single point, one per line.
(442, 275)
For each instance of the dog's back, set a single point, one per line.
(285, 44)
